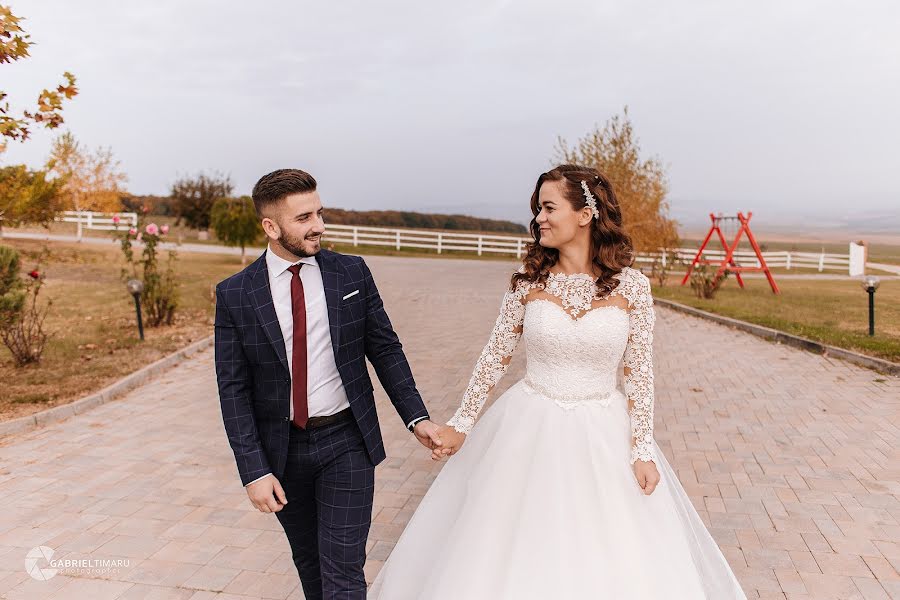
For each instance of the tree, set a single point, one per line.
(91, 181)
(27, 197)
(14, 46)
(194, 197)
(640, 184)
(236, 223)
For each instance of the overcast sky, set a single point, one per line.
(788, 108)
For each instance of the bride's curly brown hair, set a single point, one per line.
(611, 248)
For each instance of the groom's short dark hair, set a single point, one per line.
(276, 185)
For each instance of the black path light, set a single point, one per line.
(135, 287)
(870, 284)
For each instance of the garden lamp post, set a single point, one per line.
(135, 287)
(870, 284)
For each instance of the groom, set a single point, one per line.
(292, 333)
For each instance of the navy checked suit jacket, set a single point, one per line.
(252, 370)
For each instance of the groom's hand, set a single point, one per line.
(267, 495)
(453, 441)
(427, 434)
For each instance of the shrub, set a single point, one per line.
(704, 281)
(21, 317)
(160, 296)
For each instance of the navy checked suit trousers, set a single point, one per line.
(330, 484)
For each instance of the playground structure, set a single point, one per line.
(728, 264)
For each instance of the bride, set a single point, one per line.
(559, 490)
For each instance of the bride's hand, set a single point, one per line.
(647, 475)
(452, 442)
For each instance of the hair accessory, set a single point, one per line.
(589, 199)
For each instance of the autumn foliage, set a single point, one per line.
(90, 180)
(14, 44)
(640, 183)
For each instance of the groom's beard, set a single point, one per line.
(295, 245)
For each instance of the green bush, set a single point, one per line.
(21, 317)
(12, 294)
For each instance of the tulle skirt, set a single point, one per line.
(541, 502)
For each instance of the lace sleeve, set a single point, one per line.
(494, 359)
(638, 360)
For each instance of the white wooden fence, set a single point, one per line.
(820, 261)
(425, 239)
(86, 219)
(441, 241)
(498, 244)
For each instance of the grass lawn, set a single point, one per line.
(96, 339)
(833, 312)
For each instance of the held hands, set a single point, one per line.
(442, 440)
(267, 495)
(647, 475)
(427, 434)
(452, 442)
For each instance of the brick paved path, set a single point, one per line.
(794, 466)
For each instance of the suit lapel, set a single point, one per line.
(333, 280)
(261, 297)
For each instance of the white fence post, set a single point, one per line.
(787, 260)
(519, 248)
(356, 236)
(480, 241)
(440, 240)
(857, 262)
(398, 239)
(822, 262)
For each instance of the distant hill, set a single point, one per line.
(161, 205)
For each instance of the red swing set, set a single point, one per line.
(728, 263)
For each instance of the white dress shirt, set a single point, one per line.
(324, 387)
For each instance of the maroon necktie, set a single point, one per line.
(298, 358)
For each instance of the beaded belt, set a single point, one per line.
(569, 400)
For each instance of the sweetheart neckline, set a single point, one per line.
(575, 319)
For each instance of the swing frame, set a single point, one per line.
(728, 264)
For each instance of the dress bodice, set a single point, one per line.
(572, 360)
(575, 340)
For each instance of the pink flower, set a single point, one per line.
(132, 231)
(164, 229)
(116, 219)
(152, 229)
(34, 274)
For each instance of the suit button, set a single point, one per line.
(287, 418)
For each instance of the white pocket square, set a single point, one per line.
(350, 294)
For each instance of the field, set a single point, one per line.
(831, 311)
(95, 339)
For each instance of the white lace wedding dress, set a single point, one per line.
(541, 501)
